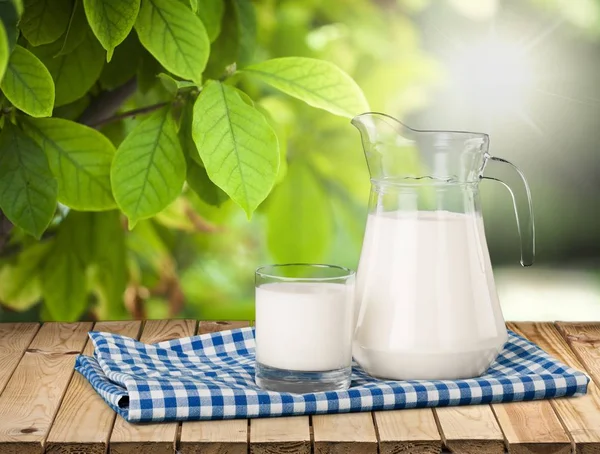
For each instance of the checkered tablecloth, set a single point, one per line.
(211, 376)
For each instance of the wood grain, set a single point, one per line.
(35, 390)
(407, 431)
(200, 437)
(531, 427)
(158, 438)
(213, 326)
(344, 433)
(81, 403)
(280, 435)
(581, 415)
(470, 429)
(14, 340)
(268, 436)
(215, 437)
(584, 339)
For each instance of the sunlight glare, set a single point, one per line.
(496, 73)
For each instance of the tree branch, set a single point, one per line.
(129, 113)
(100, 111)
(107, 103)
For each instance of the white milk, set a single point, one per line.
(304, 326)
(427, 306)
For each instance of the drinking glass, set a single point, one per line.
(304, 318)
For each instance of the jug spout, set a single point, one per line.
(376, 127)
(371, 125)
(439, 170)
(395, 151)
(385, 144)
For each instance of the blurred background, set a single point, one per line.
(523, 71)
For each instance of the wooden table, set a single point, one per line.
(45, 407)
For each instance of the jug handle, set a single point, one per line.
(513, 179)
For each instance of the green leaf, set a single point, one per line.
(28, 84)
(44, 21)
(225, 49)
(299, 220)
(246, 98)
(318, 83)
(80, 159)
(110, 266)
(175, 36)
(76, 30)
(198, 180)
(173, 85)
(149, 167)
(281, 139)
(63, 277)
(194, 5)
(18, 5)
(27, 187)
(147, 73)
(74, 73)
(211, 13)
(115, 132)
(237, 38)
(10, 14)
(245, 17)
(19, 280)
(237, 146)
(185, 133)
(73, 110)
(4, 51)
(169, 83)
(111, 21)
(124, 64)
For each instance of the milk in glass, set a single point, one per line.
(304, 326)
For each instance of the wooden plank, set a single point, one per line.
(532, 427)
(151, 438)
(280, 435)
(581, 415)
(215, 437)
(14, 340)
(228, 437)
(470, 429)
(344, 433)
(35, 390)
(584, 339)
(269, 436)
(205, 327)
(81, 403)
(413, 430)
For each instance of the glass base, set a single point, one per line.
(300, 382)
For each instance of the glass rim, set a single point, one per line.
(262, 271)
(444, 132)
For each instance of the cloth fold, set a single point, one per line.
(211, 376)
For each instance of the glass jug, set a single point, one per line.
(427, 306)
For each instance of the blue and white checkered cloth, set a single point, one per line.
(211, 376)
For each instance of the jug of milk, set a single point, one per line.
(426, 303)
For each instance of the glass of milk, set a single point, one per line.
(304, 321)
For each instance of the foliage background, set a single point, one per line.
(196, 258)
